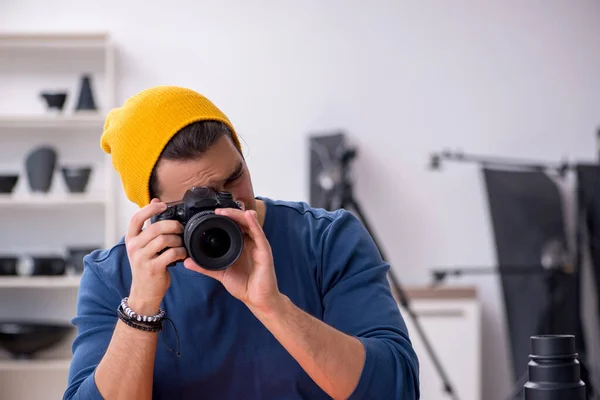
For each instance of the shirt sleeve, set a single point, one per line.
(357, 300)
(95, 322)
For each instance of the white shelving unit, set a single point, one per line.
(54, 41)
(40, 282)
(50, 223)
(37, 365)
(52, 122)
(51, 201)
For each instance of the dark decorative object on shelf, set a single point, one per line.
(55, 101)
(8, 265)
(48, 265)
(8, 182)
(40, 165)
(76, 178)
(86, 100)
(76, 255)
(23, 339)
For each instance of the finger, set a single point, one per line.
(147, 222)
(137, 220)
(256, 232)
(192, 266)
(156, 229)
(236, 215)
(161, 242)
(170, 256)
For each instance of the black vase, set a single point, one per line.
(55, 101)
(86, 101)
(40, 165)
(76, 178)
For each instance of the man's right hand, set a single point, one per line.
(150, 275)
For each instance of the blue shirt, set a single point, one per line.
(325, 262)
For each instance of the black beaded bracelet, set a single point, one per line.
(145, 323)
(143, 326)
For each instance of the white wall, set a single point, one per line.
(403, 78)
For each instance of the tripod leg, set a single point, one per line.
(353, 204)
(403, 299)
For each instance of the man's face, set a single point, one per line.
(221, 168)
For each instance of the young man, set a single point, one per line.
(306, 312)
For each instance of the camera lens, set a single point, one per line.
(213, 241)
(553, 369)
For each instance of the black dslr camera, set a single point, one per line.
(213, 241)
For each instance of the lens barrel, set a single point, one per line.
(554, 371)
(213, 241)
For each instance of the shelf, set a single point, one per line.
(54, 41)
(34, 365)
(50, 200)
(84, 120)
(65, 281)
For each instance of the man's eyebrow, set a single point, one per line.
(216, 183)
(235, 173)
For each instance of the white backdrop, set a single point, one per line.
(403, 78)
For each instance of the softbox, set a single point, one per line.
(539, 287)
(588, 203)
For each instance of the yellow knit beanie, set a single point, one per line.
(136, 133)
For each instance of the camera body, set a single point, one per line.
(212, 241)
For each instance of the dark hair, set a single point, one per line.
(188, 144)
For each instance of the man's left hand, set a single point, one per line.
(251, 278)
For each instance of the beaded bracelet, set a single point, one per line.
(147, 327)
(141, 318)
(146, 323)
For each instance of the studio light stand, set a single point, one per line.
(560, 169)
(554, 261)
(345, 194)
